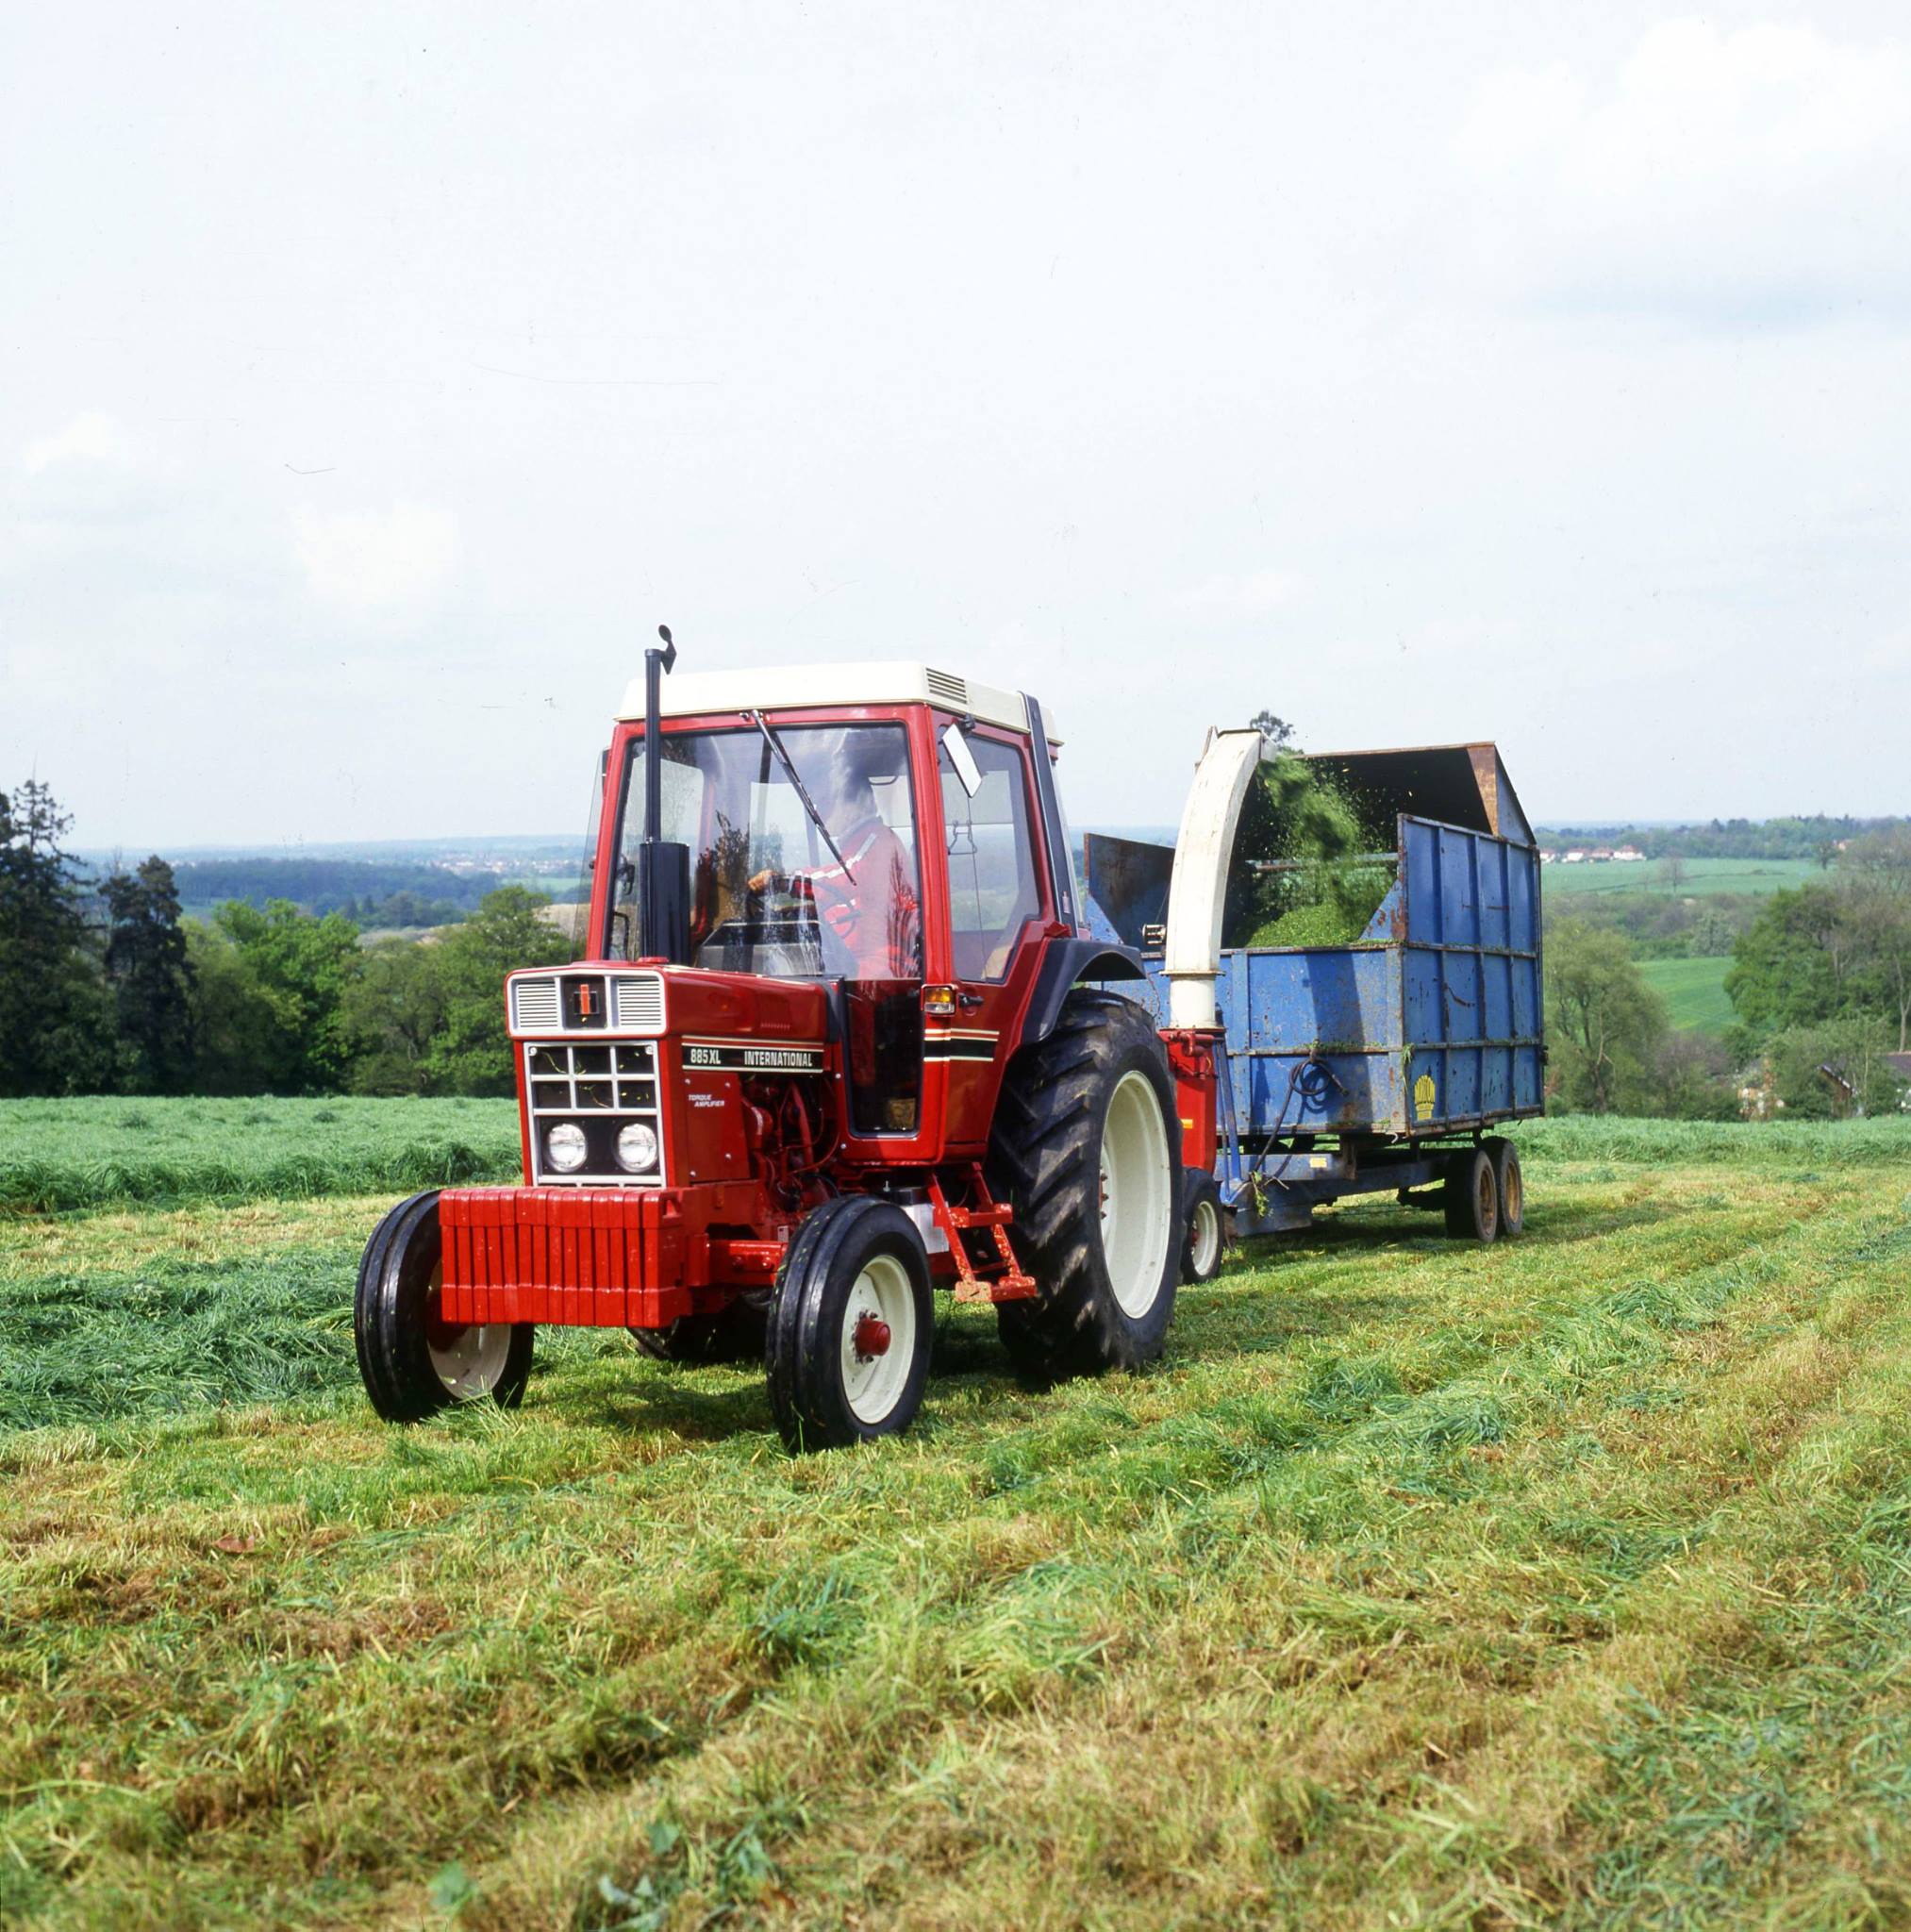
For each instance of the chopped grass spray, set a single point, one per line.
(1301, 874)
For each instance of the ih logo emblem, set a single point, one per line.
(1424, 1094)
(584, 998)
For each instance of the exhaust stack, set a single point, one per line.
(663, 867)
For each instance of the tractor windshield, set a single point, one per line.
(776, 888)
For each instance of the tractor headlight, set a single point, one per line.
(636, 1148)
(565, 1147)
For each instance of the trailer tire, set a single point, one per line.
(736, 1334)
(1205, 1243)
(855, 1259)
(1086, 1144)
(411, 1363)
(1506, 1158)
(1471, 1196)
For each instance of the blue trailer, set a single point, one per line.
(1380, 1065)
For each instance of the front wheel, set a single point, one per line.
(847, 1353)
(412, 1360)
(1206, 1240)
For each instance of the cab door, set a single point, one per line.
(997, 907)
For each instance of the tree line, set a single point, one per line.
(376, 894)
(104, 986)
(1820, 982)
(1819, 839)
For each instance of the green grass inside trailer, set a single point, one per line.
(1302, 868)
(1421, 1583)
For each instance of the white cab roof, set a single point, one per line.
(796, 686)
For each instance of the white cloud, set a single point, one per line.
(1252, 593)
(372, 563)
(1761, 172)
(94, 438)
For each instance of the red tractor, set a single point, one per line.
(831, 1043)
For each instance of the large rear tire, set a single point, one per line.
(413, 1362)
(1087, 1150)
(847, 1354)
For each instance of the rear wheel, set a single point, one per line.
(1083, 1152)
(1471, 1196)
(1506, 1158)
(1206, 1240)
(414, 1362)
(847, 1351)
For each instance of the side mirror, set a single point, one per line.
(967, 771)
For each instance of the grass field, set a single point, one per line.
(1567, 1582)
(1694, 992)
(66, 1154)
(1700, 878)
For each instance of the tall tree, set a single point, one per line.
(1604, 1024)
(56, 1032)
(1277, 735)
(239, 1029)
(472, 1052)
(1791, 966)
(150, 978)
(395, 1011)
(1834, 1071)
(301, 966)
(1877, 871)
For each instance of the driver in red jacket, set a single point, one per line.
(868, 897)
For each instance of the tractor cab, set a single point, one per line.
(886, 831)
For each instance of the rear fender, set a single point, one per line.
(1067, 963)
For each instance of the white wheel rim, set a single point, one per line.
(873, 1384)
(468, 1360)
(1138, 1219)
(1207, 1237)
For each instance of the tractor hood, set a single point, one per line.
(733, 1010)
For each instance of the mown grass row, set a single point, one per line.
(76, 1155)
(66, 1155)
(96, 1347)
(1564, 1582)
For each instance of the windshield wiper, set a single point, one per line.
(775, 744)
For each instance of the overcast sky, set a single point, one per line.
(379, 378)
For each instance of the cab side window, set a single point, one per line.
(992, 890)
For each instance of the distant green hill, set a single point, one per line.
(1700, 878)
(374, 893)
(1694, 992)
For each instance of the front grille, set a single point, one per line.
(534, 1006)
(600, 1090)
(582, 1001)
(637, 1002)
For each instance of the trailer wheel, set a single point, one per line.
(1471, 1196)
(1083, 1152)
(414, 1362)
(847, 1351)
(1505, 1159)
(735, 1335)
(1206, 1241)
